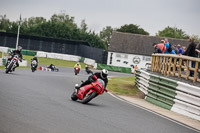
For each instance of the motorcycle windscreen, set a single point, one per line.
(100, 85)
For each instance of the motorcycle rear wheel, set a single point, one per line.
(88, 97)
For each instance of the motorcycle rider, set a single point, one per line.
(13, 53)
(102, 75)
(87, 69)
(35, 58)
(52, 67)
(77, 65)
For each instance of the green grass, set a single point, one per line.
(48, 61)
(56, 62)
(123, 86)
(0, 54)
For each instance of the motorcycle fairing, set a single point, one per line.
(83, 90)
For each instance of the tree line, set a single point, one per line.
(63, 26)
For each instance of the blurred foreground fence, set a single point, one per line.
(177, 65)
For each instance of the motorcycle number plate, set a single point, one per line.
(98, 87)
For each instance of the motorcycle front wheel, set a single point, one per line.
(33, 69)
(9, 68)
(73, 96)
(88, 97)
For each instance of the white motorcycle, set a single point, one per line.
(34, 65)
(11, 64)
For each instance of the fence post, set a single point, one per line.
(163, 65)
(195, 71)
(179, 68)
(166, 65)
(152, 64)
(169, 66)
(160, 63)
(187, 70)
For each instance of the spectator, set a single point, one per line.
(184, 48)
(135, 68)
(159, 48)
(191, 52)
(156, 49)
(172, 49)
(175, 49)
(166, 42)
(198, 55)
(168, 47)
(198, 50)
(180, 50)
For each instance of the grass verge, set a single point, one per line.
(124, 86)
(48, 61)
(56, 62)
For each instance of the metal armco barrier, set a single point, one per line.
(170, 94)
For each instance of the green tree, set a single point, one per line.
(106, 33)
(172, 33)
(5, 23)
(132, 28)
(58, 26)
(196, 38)
(84, 26)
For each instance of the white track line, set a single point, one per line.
(121, 99)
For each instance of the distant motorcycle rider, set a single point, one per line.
(52, 67)
(35, 58)
(13, 53)
(102, 75)
(87, 69)
(77, 65)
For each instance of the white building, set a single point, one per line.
(128, 50)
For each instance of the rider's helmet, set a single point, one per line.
(19, 48)
(104, 73)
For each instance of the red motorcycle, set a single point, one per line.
(90, 91)
(76, 70)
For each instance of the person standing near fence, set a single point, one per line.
(198, 55)
(190, 51)
(166, 42)
(180, 50)
(184, 48)
(159, 48)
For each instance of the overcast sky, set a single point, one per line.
(151, 15)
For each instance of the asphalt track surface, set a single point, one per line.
(40, 102)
